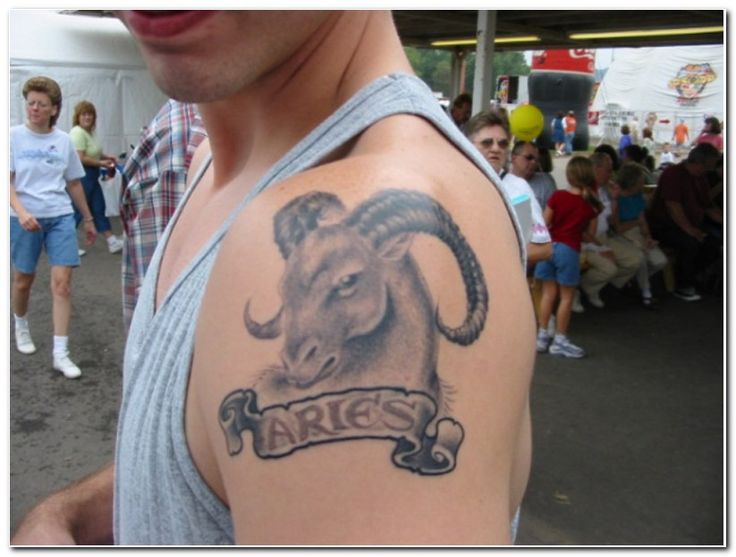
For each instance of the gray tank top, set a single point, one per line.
(160, 497)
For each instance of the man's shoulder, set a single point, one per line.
(407, 153)
(543, 180)
(341, 299)
(515, 185)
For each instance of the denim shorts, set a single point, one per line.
(563, 267)
(58, 236)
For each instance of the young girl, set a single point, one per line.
(570, 214)
(627, 217)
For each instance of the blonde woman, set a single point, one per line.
(93, 159)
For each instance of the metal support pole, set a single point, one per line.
(482, 85)
(457, 72)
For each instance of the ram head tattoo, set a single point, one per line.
(356, 309)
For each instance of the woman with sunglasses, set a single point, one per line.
(489, 132)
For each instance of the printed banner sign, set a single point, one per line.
(579, 60)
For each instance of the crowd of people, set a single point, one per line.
(606, 227)
(307, 182)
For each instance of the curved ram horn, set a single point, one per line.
(392, 212)
(301, 215)
(268, 330)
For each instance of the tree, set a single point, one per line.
(434, 66)
(504, 63)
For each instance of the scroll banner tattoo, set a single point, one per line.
(374, 413)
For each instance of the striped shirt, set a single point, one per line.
(153, 183)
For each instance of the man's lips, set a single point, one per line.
(161, 24)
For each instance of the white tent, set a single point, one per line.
(92, 59)
(664, 84)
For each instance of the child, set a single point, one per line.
(570, 214)
(627, 217)
(558, 134)
(625, 140)
(667, 157)
(648, 141)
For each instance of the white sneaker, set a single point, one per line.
(24, 342)
(543, 340)
(114, 244)
(577, 307)
(687, 294)
(561, 346)
(81, 252)
(63, 364)
(594, 299)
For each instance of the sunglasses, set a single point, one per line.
(502, 143)
(529, 157)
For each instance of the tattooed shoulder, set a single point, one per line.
(360, 334)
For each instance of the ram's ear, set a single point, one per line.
(395, 248)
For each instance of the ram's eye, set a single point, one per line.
(346, 285)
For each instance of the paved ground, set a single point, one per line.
(628, 443)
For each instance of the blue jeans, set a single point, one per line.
(568, 142)
(563, 267)
(95, 199)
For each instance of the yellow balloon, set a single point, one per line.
(527, 122)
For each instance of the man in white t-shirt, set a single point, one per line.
(525, 165)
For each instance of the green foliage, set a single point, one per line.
(434, 67)
(504, 63)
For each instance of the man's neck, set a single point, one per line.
(521, 175)
(259, 124)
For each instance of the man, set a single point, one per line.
(570, 125)
(525, 164)
(490, 133)
(611, 259)
(153, 183)
(330, 422)
(461, 109)
(678, 215)
(681, 135)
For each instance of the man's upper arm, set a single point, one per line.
(362, 366)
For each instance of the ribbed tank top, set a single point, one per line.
(159, 496)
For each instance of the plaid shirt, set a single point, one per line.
(153, 183)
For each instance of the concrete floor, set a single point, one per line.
(628, 442)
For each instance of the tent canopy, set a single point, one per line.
(663, 85)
